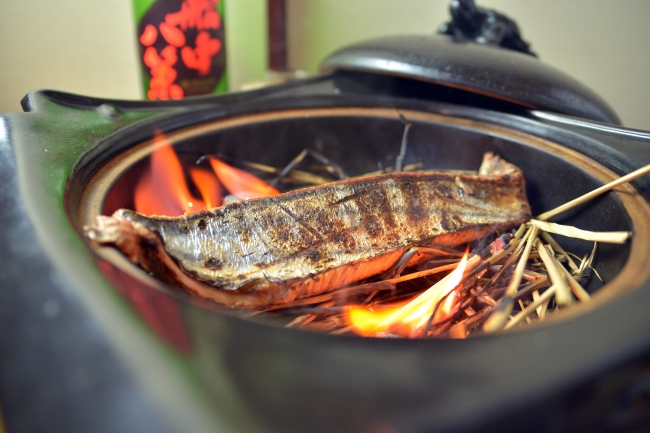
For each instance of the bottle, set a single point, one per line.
(182, 47)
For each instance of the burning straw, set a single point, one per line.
(515, 281)
(518, 278)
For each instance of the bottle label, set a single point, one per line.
(182, 48)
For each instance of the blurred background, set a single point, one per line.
(89, 48)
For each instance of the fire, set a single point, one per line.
(240, 183)
(410, 319)
(163, 188)
(208, 185)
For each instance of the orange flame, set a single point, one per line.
(208, 185)
(411, 318)
(240, 183)
(163, 187)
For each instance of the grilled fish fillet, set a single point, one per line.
(263, 252)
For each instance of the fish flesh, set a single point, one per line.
(268, 251)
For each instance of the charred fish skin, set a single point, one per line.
(301, 234)
(267, 251)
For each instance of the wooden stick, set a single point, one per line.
(399, 161)
(540, 310)
(532, 306)
(577, 289)
(476, 319)
(301, 320)
(573, 232)
(521, 266)
(522, 306)
(426, 272)
(582, 199)
(342, 330)
(369, 287)
(498, 319)
(558, 249)
(410, 167)
(294, 175)
(514, 243)
(558, 278)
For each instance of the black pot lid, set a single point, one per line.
(487, 70)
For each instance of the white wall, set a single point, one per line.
(603, 43)
(88, 47)
(85, 47)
